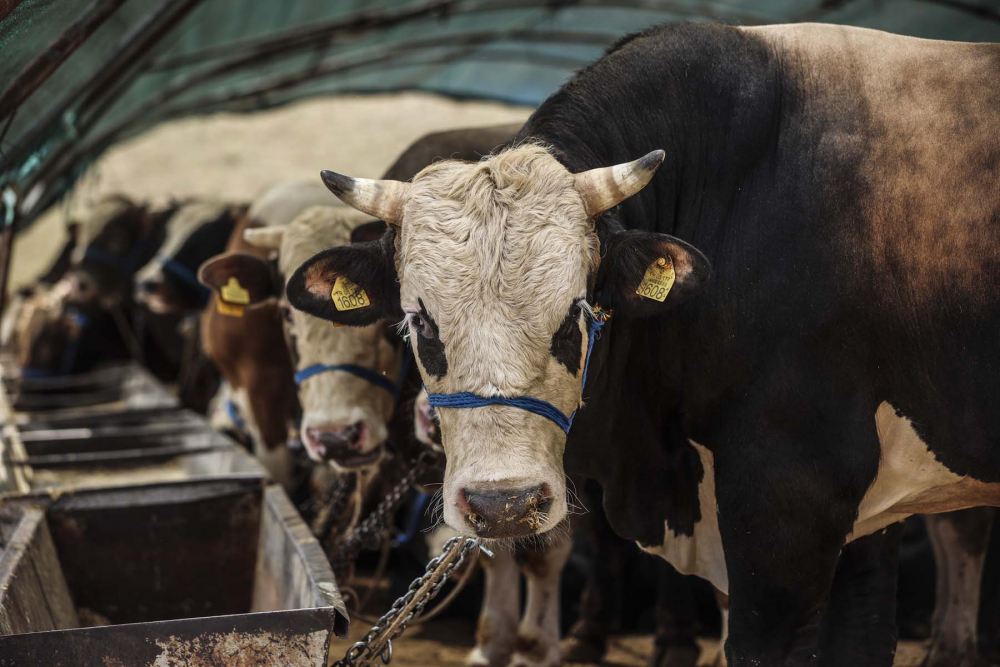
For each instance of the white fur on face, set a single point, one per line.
(337, 399)
(498, 252)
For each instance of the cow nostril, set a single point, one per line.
(149, 287)
(346, 436)
(506, 512)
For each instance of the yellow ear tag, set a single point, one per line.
(658, 280)
(228, 310)
(348, 296)
(233, 292)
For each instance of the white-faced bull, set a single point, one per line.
(495, 262)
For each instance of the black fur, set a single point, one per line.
(567, 341)
(206, 241)
(430, 350)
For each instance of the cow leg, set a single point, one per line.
(496, 630)
(600, 603)
(989, 599)
(538, 634)
(859, 627)
(675, 644)
(959, 540)
(723, 600)
(783, 521)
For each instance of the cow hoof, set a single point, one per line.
(951, 658)
(578, 649)
(484, 657)
(675, 656)
(524, 660)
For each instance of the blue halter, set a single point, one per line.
(125, 266)
(187, 276)
(367, 374)
(467, 399)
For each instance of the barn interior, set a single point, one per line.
(141, 516)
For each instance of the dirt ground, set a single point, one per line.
(236, 156)
(445, 643)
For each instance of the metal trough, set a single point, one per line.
(108, 390)
(212, 572)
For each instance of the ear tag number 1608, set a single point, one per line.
(658, 280)
(348, 296)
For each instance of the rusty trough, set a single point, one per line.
(131, 535)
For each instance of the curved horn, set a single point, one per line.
(605, 187)
(383, 199)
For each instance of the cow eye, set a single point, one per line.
(421, 326)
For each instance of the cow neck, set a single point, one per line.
(468, 399)
(366, 374)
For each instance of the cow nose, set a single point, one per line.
(149, 287)
(337, 437)
(495, 513)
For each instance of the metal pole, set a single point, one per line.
(62, 47)
(9, 217)
(7, 6)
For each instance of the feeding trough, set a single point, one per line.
(107, 390)
(218, 571)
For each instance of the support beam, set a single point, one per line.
(62, 47)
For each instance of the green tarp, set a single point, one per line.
(153, 60)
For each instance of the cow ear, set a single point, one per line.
(268, 238)
(643, 274)
(353, 285)
(239, 278)
(368, 231)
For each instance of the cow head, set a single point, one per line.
(495, 266)
(344, 415)
(199, 230)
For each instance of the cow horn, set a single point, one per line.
(383, 199)
(606, 187)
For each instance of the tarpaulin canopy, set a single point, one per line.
(76, 76)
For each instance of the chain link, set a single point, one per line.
(377, 643)
(369, 533)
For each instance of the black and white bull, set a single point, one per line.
(838, 372)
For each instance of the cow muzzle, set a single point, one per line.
(506, 512)
(347, 446)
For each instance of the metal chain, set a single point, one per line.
(369, 533)
(377, 643)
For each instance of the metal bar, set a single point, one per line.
(64, 157)
(298, 38)
(107, 74)
(7, 254)
(354, 23)
(44, 64)
(7, 6)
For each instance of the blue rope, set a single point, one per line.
(467, 399)
(414, 523)
(235, 416)
(186, 275)
(376, 379)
